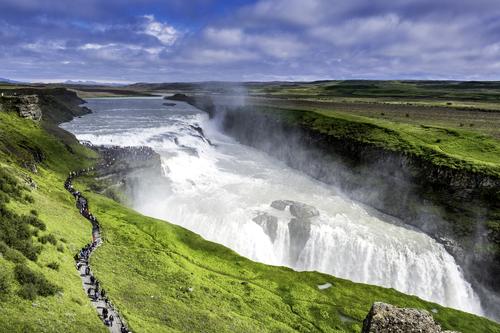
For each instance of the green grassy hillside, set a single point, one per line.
(22, 308)
(162, 277)
(455, 148)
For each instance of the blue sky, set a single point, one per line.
(243, 40)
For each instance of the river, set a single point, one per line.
(216, 187)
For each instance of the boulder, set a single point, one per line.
(281, 204)
(298, 209)
(303, 211)
(269, 223)
(385, 318)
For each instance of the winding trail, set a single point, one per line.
(97, 296)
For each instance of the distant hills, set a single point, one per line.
(94, 83)
(68, 82)
(8, 80)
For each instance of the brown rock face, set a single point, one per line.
(385, 318)
(29, 107)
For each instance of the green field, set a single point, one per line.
(162, 277)
(469, 119)
(453, 147)
(445, 93)
(473, 106)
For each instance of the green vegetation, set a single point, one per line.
(446, 93)
(458, 149)
(34, 296)
(454, 148)
(162, 277)
(33, 283)
(474, 106)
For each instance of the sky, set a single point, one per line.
(244, 40)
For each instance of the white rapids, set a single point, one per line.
(216, 191)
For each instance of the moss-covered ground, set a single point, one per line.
(161, 277)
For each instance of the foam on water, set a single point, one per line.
(217, 190)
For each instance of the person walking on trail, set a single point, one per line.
(87, 270)
(111, 318)
(103, 293)
(104, 313)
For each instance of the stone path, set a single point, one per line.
(97, 296)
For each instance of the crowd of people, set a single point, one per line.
(114, 153)
(95, 292)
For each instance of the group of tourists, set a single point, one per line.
(95, 292)
(114, 153)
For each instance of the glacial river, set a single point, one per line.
(216, 187)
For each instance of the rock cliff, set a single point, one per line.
(53, 106)
(26, 106)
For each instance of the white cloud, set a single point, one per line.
(165, 33)
(302, 12)
(43, 46)
(270, 39)
(93, 46)
(209, 56)
(224, 36)
(278, 46)
(361, 30)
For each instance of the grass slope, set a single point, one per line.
(162, 277)
(68, 310)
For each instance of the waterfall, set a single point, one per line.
(218, 190)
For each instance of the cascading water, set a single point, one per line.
(218, 190)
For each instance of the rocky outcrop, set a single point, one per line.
(386, 318)
(298, 209)
(201, 102)
(26, 106)
(303, 211)
(281, 204)
(50, 107)
(128, 172)
(29, 107)
(269, 223)
(299, 227)
(53, 106)
(300, 232)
